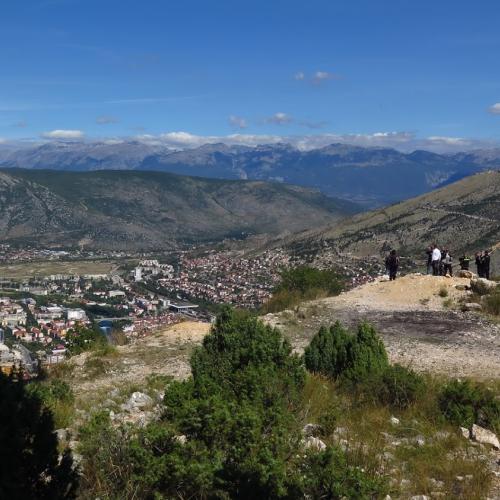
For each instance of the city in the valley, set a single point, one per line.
(47, 297)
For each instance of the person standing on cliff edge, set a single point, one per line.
(392, 264)
(436, 260)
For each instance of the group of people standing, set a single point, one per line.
(440, 262)
(483, 264)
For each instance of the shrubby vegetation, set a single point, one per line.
(233, 430)
(360, 362)
(29, 457)
(492, 303)
(465, 403)
(302, 283)
(336, 353)
(57, 396)
(82, 338)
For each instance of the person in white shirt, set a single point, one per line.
(436, 260)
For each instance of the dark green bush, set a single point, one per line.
(336, 353)
(302, 283)
(304, 278)
(465, 403)
(397, 387)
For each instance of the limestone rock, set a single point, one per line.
(484, 436)
(139, 400)
(314, 443)
(62, 434)
(394, 421)
(472, 306)
(465, 274)
(465, 432)
(482, 286)
(181, 439)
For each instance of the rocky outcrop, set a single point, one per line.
(484, 436)
(482, 286)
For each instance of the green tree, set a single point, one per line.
(230, 431)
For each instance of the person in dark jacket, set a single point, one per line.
(479, 264)
(486, 264)
(392, 264)
(429, 259)
(464, 262)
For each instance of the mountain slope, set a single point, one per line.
(371, 176)
(464, 216)
(150, 210)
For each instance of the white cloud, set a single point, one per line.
(237, 122)
(106, 120)
(402, 141)
(299, 76)
(63, 134)
(495, 109)
(279, 119)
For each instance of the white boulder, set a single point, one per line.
(484, 436)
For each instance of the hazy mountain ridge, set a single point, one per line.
(463, 216)
(372, 176)
(150, 210)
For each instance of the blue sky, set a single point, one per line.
(391, 72)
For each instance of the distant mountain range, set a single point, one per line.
(150, 210)
(369, 176)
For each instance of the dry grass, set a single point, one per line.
(421, 455)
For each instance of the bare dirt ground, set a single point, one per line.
(165, 352)
(420, 328)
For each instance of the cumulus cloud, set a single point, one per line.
(403, 141)
(237, 122)
(279, 119)
(495, 109)
(106, 120)
(63, 134)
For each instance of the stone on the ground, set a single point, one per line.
(420, 441)
(472, 306)
(311, 430)
(482, 286)
(314, 443)
(484, 436)
(462, 273)
(465, 432)
(420, 497)
(181, 439)
(62, 434)
(137, 400)
(394, 421)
